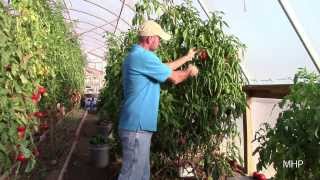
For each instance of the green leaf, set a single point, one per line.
(3, 38)
(14, 69)
(30, 166)
(26, 152)
(23, 79)
(3, 92)
(2, 148)
(316, 132)
(17, 87)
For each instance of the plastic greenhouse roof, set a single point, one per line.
(274, 51)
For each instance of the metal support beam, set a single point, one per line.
(288, 10)
(92, 15)
(78, 35)
(116, 15)
(131, 8)
(64, 3)
(70, 3)
(88, 23)
(203, 7)
(89, 14)
(115, 29)
(96, 55)
(93, 38)
(89, 43)
(91, 50)
(84, 29)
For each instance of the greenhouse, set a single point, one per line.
(159, 89)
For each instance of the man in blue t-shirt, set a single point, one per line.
(142, 73)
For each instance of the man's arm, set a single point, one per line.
(177, 63)
(179, 76)
(182, 60)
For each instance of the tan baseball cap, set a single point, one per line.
(151, 28)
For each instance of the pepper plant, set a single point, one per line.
(295, 135)
(198, 115)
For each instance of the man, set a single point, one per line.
(142, 73)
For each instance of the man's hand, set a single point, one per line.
(191, 53)
(182, 60)
(181, 75)
(193, 70)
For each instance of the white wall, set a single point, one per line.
(264, 110)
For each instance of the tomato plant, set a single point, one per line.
(296, 132)
(21, 132)
(39, 114)
(42, 90)
(40, 65)
(21, 157)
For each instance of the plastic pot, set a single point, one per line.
(104, 128)
(99, 155)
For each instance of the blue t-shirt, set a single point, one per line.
(142, 73)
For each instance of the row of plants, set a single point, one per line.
(197, 116)
(40, 65)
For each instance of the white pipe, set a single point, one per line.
(300, 32)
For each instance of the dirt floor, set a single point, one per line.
(51, 159)
(80, 167)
